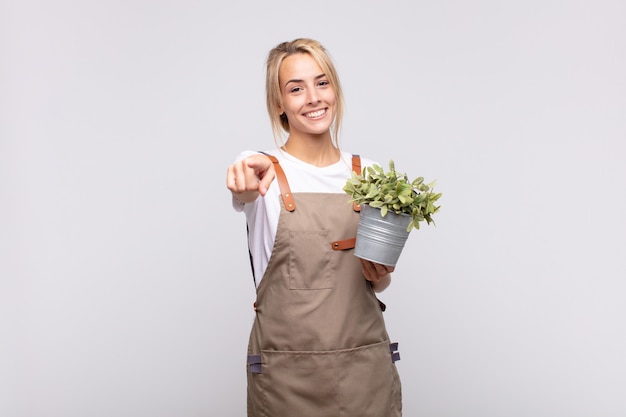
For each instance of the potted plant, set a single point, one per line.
(391, 206)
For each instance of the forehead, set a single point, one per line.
(299, 66)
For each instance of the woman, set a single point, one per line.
(318, 345)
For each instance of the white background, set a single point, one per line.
(125, 287)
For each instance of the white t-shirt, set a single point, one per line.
(262, 214)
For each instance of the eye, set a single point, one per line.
(295, 90)
(323, 83)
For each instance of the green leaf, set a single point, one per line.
(393, 191)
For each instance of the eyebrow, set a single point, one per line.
(299, 81)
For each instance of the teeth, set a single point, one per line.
(316, 113)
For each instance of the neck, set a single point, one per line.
(319, 152)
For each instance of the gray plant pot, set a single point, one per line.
(381, 239)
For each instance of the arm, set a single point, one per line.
(379, 275)
(250, 177)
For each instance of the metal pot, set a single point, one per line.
(381, 239)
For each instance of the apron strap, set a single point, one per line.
(285, 191)
(356, 167)
(343, 244)
(349, 243)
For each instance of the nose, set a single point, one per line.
(312, 97)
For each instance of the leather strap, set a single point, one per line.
(356, 167)
(285, 191)
(343, 244)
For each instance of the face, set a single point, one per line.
(308, 97)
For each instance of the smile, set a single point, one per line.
(315, 114)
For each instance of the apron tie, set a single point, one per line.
(254, 364)
(395, 355)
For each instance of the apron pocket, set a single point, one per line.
(299, 384)
(355, 382)
(311, 260)
(369, 382)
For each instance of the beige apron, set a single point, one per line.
(319, 346)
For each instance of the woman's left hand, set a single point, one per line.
(379, 275)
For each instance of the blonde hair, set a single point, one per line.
(273, 97)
